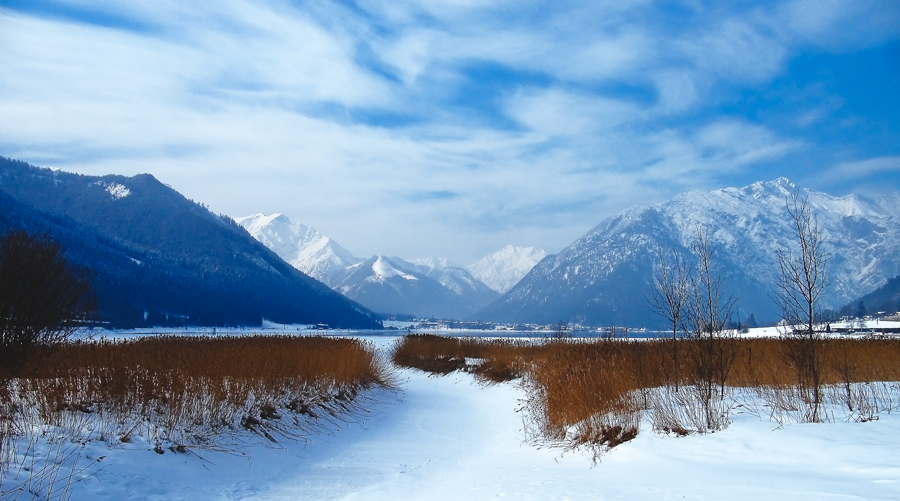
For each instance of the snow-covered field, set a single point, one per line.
(451, 438)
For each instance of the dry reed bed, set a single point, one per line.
(595, 392)
(185, 389)
(182, 393)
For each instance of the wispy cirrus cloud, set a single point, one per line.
(460, 126)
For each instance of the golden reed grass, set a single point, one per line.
(594, 391)
(176, 393)
(185, 390)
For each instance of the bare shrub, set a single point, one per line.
(802, 281)
(712, 348)
(670, 298)
(42, 299)
(687, 411)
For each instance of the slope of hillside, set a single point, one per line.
(885, 299)
(159, 258)
(392, 285)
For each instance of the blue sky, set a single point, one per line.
(454, 127)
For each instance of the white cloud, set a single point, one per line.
(255, 106)
(736, 50)
(863, 168)
(556, 112)
(839, 25)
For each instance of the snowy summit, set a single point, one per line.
(302, 247)
(503, 269)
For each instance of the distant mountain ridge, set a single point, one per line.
(503, 269)
(160, 259)
(429, 287)
(604, 277)
(885, 299)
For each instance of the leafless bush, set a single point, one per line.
(689, 410)
(42, 299)
(802, 281)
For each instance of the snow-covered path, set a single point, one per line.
(451, 438)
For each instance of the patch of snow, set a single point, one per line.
(383, 269)
(116, 191)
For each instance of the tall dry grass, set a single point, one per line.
(185, 393)
(596, 391)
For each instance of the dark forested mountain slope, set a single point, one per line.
(159, 258)
(885, 299)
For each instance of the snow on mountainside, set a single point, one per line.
(503, 269)
(604, 277)
(303, 247)
(429, 287)
(458, 280)
(391, 285)
(384, 268)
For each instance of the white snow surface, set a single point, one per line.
(503, 269)
(451, 438)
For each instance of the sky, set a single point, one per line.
(454, 127)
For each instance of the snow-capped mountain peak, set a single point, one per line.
(383, 269)
(434, 263)
(781, 187)
(604, 276)
(503, 269)
(385, 284)
(303, 247)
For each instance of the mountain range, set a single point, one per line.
(428, 287)
(160, 259)
(604, 277)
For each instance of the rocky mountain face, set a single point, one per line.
(160, 259)
(605, 277)
(428, 287)
(503, 269)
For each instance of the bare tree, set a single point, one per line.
(42, 299)
(670, 298)
(562, 331)
(708, 313)
(803, 279)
